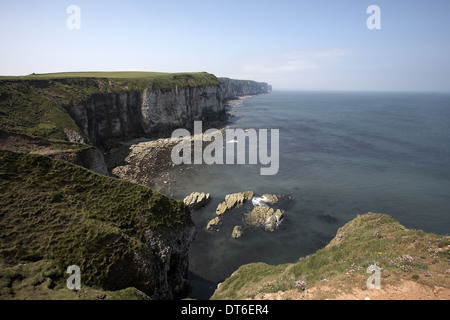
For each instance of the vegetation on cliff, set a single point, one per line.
(341, 267)
(55, 214)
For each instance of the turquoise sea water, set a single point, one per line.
(341, 154)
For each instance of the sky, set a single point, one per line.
(293, 45)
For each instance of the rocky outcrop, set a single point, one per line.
(237, 232)
(264, 200)
(233, 200)
(142, 162)
(196, 200)
(263, 217)
(260, 216)
(213, 223)
(232, 88)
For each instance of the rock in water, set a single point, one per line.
(264, 217)
(264, 200)
(237, 232)
(213, 224)
(233, 200)
(271, 198)
(197, 200)
(273, 222)
(221, 209)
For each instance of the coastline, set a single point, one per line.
(148, 161)
(65, 159)
(162, 175)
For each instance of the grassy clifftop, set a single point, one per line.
(408, 258)
(34, 104)
(54, 214)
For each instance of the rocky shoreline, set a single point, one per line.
(148, 161)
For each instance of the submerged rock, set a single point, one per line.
(197, 200)
(237, 232)
(233, 200)
(213, 224)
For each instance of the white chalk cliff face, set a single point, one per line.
(105, 117)
(163, 111)
(231, 88)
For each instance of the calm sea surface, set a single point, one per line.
(341, 154)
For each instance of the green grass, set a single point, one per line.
(44, 280)
(98, 74)
(366, 240)
(63, 214)
(129, 79)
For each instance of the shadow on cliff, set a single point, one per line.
(203, 289)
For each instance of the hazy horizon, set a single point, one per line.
(294, 45)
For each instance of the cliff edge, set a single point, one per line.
(413, 265)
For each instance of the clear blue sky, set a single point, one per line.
(304, 45)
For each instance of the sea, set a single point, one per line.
(341, 154)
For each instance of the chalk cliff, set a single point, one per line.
(104, 118)
(103, 108)
(155, 112)
(232, 88)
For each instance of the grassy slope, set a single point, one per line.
(34, 104)
(54, 214)
(368, 239)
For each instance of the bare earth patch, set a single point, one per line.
(404, 290)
